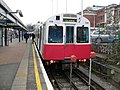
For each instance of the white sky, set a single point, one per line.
(39, 10)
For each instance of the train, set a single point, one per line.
(65, 35)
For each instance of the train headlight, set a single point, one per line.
(51, 61)
(80, 60)
(84, 60)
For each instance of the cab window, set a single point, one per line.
(82, 35)
(55, 34)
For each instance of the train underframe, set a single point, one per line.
(63, 64)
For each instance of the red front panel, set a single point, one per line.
(53, 52)
(60, 52)
(80, 51)
(83, 51)
(69, 50)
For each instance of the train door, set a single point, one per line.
(69, 41)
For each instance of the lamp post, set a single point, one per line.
(82, 7)
(92, 55)
(57, 7)
(52, 6)
(105, 14)
(66, 6)
(73, 59)
(38, 28)
(21, 15)
(103, 22)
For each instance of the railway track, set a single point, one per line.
(76, 81)
(61, 80)
(94, 85)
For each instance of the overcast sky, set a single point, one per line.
(39, 10)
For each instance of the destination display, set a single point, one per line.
(69, 20)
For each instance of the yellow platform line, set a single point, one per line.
(39, 86)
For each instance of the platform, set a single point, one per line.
(21, 68)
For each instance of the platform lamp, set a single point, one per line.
(17, 11)
(21, 15)
(92, 56)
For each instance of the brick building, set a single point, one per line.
(103, 16)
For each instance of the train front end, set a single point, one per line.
(66, 35)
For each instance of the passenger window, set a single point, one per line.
(55, 34)
(82, 35)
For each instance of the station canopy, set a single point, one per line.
(9, 19)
